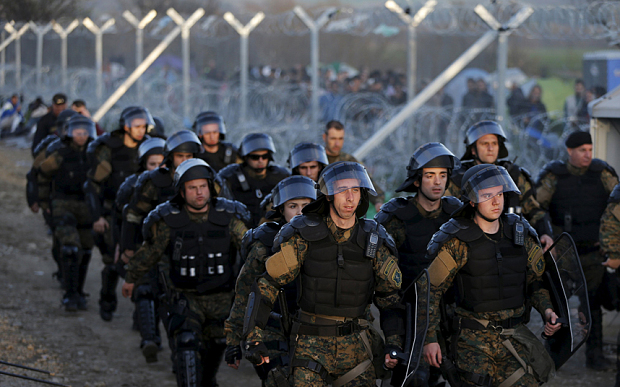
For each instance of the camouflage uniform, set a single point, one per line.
(191, 310)
(338, 354)
(380, 198)
(482, 351)
(589, 253)
(527, 199)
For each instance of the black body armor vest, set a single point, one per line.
(70, 178)
(494, 277)
(124, 162)
(250, 191)
(579, 202)
(199, 252)
(226, 154)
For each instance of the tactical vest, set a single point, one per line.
(164, 183)
(124, 162)
(494, 277)
(199, 252)
(419, 230)
(579, 202)
(337, 279)
(70, 178)
(225, 155)
(251, 191)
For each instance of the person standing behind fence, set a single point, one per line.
(575, 194)
(47, 123)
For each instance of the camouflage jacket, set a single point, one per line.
(387, 282)
(610, 226)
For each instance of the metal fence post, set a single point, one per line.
(244, 32)
(40, 32)
(17, 34)
(139, 26)
(2, 59)
(98, 32)
(63, 33)
(412, 23)
(185, 27)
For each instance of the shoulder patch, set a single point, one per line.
(536, 259)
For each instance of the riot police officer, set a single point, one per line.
(343, 262)
(307, 159)
(289, 197)
(64, 170)
(486, 143)
(252, 180)
(495, 268)
(191, 234)
(575, 194)
(210, 128)
(114, 157)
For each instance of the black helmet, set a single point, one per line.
(62, 120)
(193, 169)
(256, 141)
(138, 113)
(351, 175)
(151, 146)
(293, 187)
(429, 155)
(159, 130)
(183, 141)
(80, 122)
(205, 118)
(480, 129)
(483, 176)
(305, 152)
(121, 120)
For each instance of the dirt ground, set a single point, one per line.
(83, 350)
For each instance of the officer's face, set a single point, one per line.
(309, 169)
(211, 134)
(293, 208)
(433, 183)
(580, 157)
(491, 202)
(137, 130)
(258, 159)
(345, 203)
(153, 162)
(80, 136)
(334, 140)
(487, 148)
(196, 194)
(179, 157)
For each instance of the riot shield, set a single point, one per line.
(565, 280)
(416, 300)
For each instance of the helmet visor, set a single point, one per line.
(343, 176)
(304, 153)
(487, 184)
(85, 124)
(483, 128)
(256, 141)
(434, 152)
(203, 127)
(139, 117)
(294, 187)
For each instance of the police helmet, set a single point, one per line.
(159, 130)
(479, 129)
(151, 146)
(62, 120)
(121, 120)
(429, 155)
(193, 169)
(293, 187)
(305, 152)
(138, 113)
(210, 117)
(256, 141)
(81, 122)
(183, 141)
(480, 181)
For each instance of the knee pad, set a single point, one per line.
(187, 340)
(69, 250)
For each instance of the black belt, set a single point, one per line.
(493, 325)
(345, 329)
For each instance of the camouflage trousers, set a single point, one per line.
(337, 355)
(207, 313)
(72, 221)
(482, 352)
(105, 243)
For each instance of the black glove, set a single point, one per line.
(395, 352)
(232, 354)
(254, 352)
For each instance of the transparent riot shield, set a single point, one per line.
(566, 283)
(416, 300)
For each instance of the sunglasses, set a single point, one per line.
(258, 157)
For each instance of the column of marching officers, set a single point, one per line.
(239, 257)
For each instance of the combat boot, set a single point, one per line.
(107, 296)
(70, 262)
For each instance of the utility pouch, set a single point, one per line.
(536, 356)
